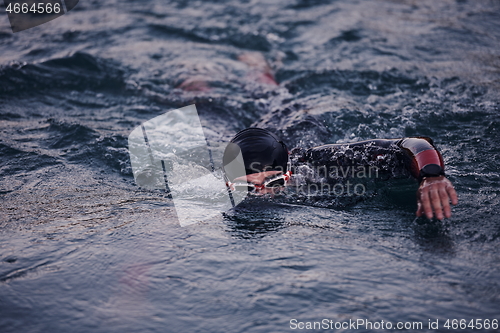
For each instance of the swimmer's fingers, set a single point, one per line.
(452, 193)
(445, 201)
(420, 210)
(420, 206)
(434, 196)
(436, 202)
(424, 203)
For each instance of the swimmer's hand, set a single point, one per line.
(433, 197)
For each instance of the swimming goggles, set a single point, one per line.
(272, 182)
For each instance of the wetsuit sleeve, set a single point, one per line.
(418, 155)
(423, 159)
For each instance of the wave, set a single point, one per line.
(63, 135)
(213, 35)
(16, 161)
(110, 152)
(358, 83)
(79, 71)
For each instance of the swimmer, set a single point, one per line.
(203, 77)
(269, 165)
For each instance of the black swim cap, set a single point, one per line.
(261, 151)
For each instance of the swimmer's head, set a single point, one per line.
(259, 151)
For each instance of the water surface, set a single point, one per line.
(82, 248)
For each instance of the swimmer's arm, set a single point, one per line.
(423, 159)
(426, 164)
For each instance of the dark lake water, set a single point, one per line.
(84, 249)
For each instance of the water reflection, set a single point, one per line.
(254, 218)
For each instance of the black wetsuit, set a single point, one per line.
(379, 158)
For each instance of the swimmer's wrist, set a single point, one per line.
(431, 171)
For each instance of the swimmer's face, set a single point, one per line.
(259, 179)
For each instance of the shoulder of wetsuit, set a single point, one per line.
(423, 159)
(426, 138)
(298, 154)
(321, 154)
(383, 143)
(374, 142)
